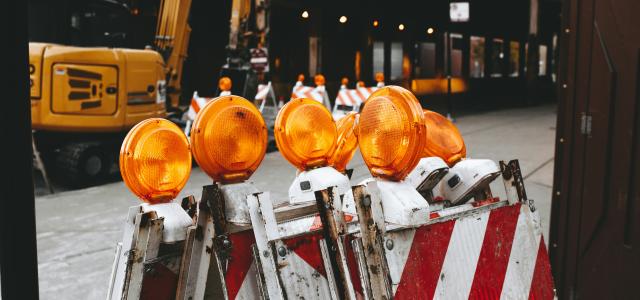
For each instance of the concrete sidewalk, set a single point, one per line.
(77, 230)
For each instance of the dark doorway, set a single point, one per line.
(595, 224)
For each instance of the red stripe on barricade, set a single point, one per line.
(309, 95)
(342, 100)
(422, 268)
(308, 248)
(159, 285)
(362, 97)
(194, 105)
(494, 256)
(240, 259)
(542, 282)
(352, 264)
(354, 101)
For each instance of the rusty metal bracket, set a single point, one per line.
(513, 181)
(372, 228)
(333, 227)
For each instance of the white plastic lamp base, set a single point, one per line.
(304, 186)
(401, 202)
(176, 220)
(467, 177)
(426, 175)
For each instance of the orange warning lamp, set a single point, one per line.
(360, 84)
(346, 142)
(229, 139)
(305, 133)
(301, 77)
(379, 77)
(443, 139)
(391, 132)
(319, 80)
(224, 84)
(344, 81)
(155, 160)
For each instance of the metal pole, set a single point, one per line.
(448, 68)
(18, 253)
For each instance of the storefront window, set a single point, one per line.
(542, 51)
(426, 60)
(378, 57)
(497, 58)
(456, 55)
(514, 58)
(396, 61)
(476, 57)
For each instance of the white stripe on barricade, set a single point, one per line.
(462, 258)
(522, 260)
(263, 91)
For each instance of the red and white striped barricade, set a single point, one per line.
(299, 256)
(196, 104)
(149, 260)
(318, 93)
(485, 249)
(350, 100)
(221, 262)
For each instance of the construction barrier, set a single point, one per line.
(350, 100)
(422, 230)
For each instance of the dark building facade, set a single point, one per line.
(496, 58)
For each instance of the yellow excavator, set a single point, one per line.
(85, 99)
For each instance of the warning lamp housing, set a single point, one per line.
(155, 160)
(379, 77)
(224, 84)
(443, 139)
(301, 77)
(344, 81)
(229, 139)
(319, 80)
(391, 132)
(346, 142)
(305, 133)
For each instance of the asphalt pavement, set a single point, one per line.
(77, 230)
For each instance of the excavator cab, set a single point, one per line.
(85, 97)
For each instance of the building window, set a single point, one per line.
(378, 57)
(553, 57)
(476, 57)
(542, 69)
(526, 56)
(514, 58)
(396, 61)
(456, 55)
(426, 60)
(497, 58)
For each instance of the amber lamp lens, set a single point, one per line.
(391, 132)
(319, 80)
(345, 81)
(229, 139)
(305, 133)
(379, 77)
(300, 77)
(443, 139)
(346, 142)
(155, 160)
(224, 84)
